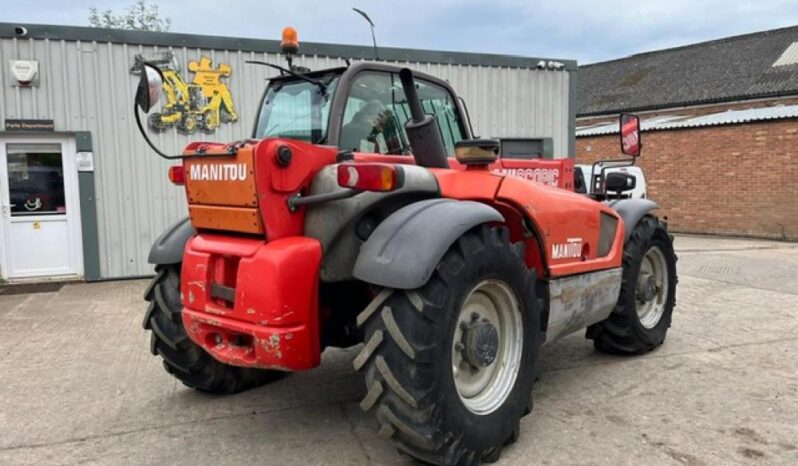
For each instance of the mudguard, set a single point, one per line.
(631, 211)
(406, 247)
(168, 248)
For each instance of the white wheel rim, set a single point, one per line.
(652, 288)
(484, 389)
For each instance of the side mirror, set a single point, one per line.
(619, 182)
(630, 135)
(150, 84)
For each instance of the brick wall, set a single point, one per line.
(734, 179)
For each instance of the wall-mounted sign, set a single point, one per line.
(25, 72)
(29, 125)
(204, 103)
(85, 161)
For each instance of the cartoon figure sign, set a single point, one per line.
(203, 104)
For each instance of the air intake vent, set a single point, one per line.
(607, 228)
(789, 57)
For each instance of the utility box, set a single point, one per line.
(526, 148)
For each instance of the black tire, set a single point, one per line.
(155, 123)
(622, 332)
(183, 358)
(407, 358)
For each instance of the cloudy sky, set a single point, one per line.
(585, 30)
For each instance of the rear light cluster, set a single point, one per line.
(379, 177)
(177, 175)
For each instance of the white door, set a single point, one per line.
(40, 232)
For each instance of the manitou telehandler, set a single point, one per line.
(362, 211)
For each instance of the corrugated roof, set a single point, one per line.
(735, 68)
(729, 117)
(789, 57)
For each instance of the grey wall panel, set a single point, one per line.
(87, 86)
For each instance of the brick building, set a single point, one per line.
(720, 123)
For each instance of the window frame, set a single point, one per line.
(335, 121)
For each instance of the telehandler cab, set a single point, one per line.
(362, 211)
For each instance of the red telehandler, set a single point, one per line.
(362, 211)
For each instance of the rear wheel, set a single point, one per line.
(642, 316)
(183, 358)
(449, 366)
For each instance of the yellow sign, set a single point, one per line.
(37, 226)
(203, 104)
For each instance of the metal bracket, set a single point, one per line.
(223, 292)
(297, 200)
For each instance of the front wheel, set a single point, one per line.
(641, 318)
(182, 358)
(449, 366)
(188, 124)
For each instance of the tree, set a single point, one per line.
(140, 16)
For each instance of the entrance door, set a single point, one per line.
(39, 203)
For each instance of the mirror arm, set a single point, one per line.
(233, 150)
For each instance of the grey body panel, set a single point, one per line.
(405, 249)
(631, 211)
(334, 223)
(168, 248)
(581, 300)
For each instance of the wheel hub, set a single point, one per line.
(647, 288)
(487, 346)
(481, 343)
(652, 287)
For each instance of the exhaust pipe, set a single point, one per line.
(423, 131)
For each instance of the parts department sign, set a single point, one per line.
(29, 125)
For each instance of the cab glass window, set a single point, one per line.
(436, 100)
(376, 112)
(297, 109)
(370, 122)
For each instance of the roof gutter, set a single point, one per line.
(122, 36)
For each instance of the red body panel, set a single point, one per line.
(273, 321)
(559, 216)
(478, 185)
(558, 173)
(275, 184)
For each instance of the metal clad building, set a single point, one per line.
(82, 99)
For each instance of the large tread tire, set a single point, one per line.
(182, 358)
(407, 364)
(622, 332)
